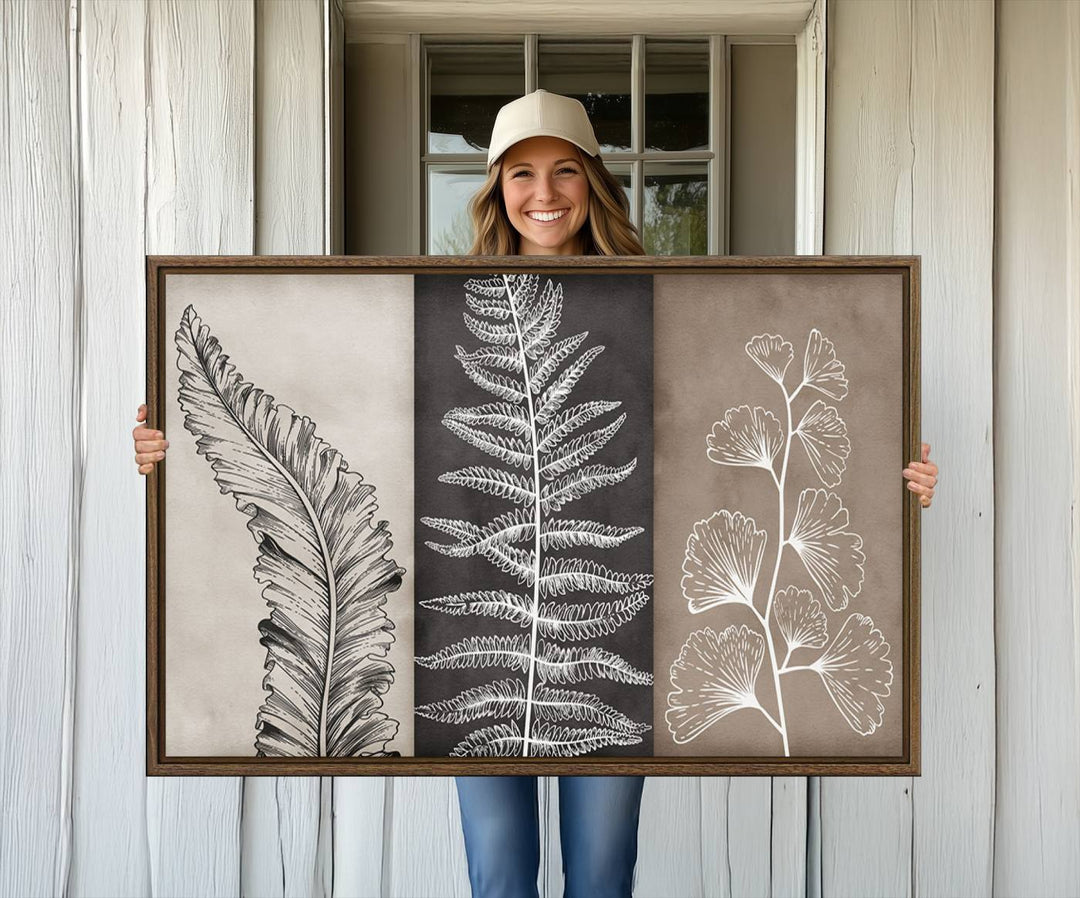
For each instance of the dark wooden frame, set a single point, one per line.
(157, 763)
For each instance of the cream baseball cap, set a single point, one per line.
(541, 114)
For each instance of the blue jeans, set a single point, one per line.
(598, 823)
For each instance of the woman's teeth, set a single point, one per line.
(546, 216)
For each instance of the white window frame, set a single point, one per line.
(809, 42)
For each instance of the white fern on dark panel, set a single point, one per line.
(541, 446)
(716, 672)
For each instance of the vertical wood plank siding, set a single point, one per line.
(109, 811)
(199, 196)
(909, 168)
(1036, 839)
(169, 126)
(40, 436)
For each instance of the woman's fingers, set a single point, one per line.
(920, 477)
(150, 444)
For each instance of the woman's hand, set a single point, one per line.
(150, 445)
(922, 477)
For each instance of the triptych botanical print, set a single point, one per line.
(533, 514)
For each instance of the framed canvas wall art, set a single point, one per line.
(441, 515)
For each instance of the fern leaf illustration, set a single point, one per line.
(574, 453)
(572, 664)
(480, 651)
(568, 704)
(555, 355)
(493, 481)
(509, 449)
(503, 698)
(562, 575)
(573, 623)
(524, 363)
(566, 534)
(322, 558)
(569, 420)
(506, 529)
(503, 740)
(555, 495)
(565, 742)
(501, 415)
(497, 603)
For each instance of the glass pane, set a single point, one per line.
(449, 191)
(466, 86)
(624, 176)
(676, 209)
(676, 95)
(597, 74)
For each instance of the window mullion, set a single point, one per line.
(532, 56)
(637, 128)
(717, 143)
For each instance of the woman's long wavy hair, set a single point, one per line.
(607, 231)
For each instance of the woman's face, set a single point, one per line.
(546, 195)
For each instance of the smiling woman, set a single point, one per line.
(546, 195)
(547, 191)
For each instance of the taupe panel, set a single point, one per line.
(703, 324)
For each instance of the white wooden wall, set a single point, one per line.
(200, 127)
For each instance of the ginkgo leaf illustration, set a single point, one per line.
(746, 436)
(833, 556)
(322, 558)
(536, 428)
(824, 435)
(714, 675)
(799, 616)
(857, 673)
(821, 369)
(772, 353)
(723, 559)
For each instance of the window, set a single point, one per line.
(656, 106)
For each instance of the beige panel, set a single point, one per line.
(762, 185)
(1037, 447)
(378, 155)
